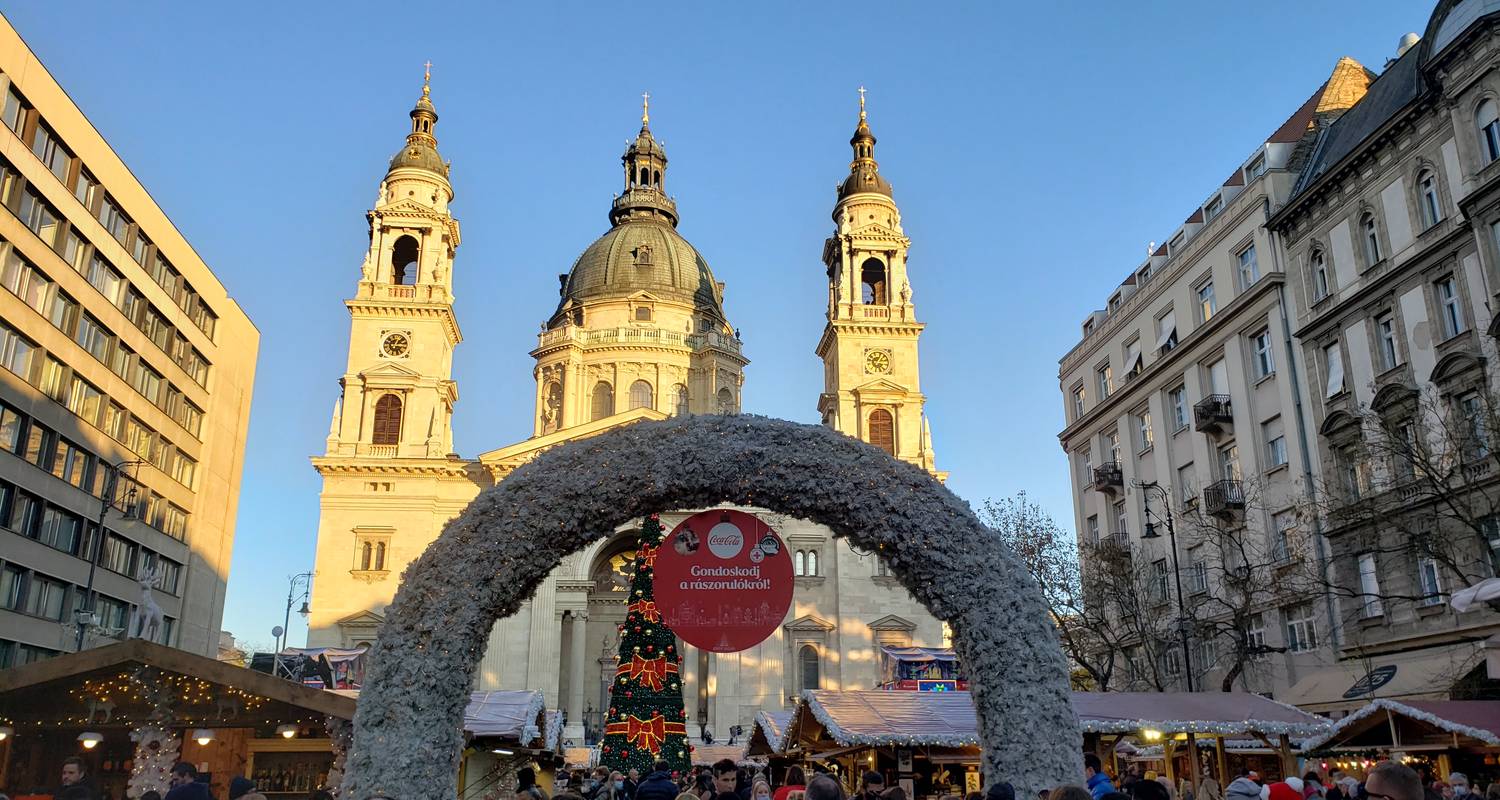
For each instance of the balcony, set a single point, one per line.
(1117, 543)
(1213, 413)
(1223, 498)
(1109, 477)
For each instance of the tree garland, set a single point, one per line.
(492, 557)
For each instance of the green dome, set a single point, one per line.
(419, 155)
(642, 255)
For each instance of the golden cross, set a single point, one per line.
(645, 107)
(861, 102)
(427, 74)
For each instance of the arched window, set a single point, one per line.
(604, 400)
(645, 177)
(812, 562)
(379, 555)
(656, 178)
(404, 261)
(726, 401)
(872, 280)
(1427, 199)
(807, 667)
(1489, 130)
(387, 420)
(367, 555)
(1371, 239)
(799, 563)
(680, 399)
(643, 313)
(883, 430)
(640, 395)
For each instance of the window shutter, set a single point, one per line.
(387, 420)
(882, 430)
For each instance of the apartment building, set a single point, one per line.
(1184, 393)
(124, 394)
(1392, 239)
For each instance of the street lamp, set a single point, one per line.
(292, 596)
(84, 617)
(1182, 618)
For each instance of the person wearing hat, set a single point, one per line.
(242, 788)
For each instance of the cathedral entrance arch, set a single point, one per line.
(408, 732)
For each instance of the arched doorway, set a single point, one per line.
(492, 557)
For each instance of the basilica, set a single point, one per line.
(638, 332)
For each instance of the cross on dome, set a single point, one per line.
(645, 107)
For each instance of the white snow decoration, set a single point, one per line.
(553, 738)
(491, 558)
(1199, 726)
(1469, 596)
(776, 732)
(847, 738)
(1377, 706)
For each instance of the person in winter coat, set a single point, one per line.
(1098, 782)
(1242, 788)
(659, 785)
(1209, 789)
(242, 788)
(796, 781)
(185, 785)
(1283, 790)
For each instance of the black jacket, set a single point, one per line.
(657, 786)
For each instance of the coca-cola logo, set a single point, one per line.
(725, 540)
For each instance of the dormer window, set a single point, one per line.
(1214, 208)
(643, 255)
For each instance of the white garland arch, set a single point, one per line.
(408, 727)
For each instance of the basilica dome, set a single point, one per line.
(641, 255)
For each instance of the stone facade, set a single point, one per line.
(639, 332)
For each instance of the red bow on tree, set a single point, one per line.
(647, 734)
(646, 555)
(647, 610)
(647, 672)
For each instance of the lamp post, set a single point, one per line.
(1182, 619)
(304, 578)
(84, 617)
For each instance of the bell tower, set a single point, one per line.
(398, 392)
(872, 384)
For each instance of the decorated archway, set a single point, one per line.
(408, 727)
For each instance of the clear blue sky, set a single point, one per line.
(1034, 148)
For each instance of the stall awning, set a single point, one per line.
(944, 719)
(919, 654)
(770, 732)
(706, 755)
(1221, 713)
(1415, 724)
(1424, 674)
(514, 715)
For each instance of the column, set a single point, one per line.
(546, 624)
(574, 729)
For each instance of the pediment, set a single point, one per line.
(389, 369)
(362, 618)
(891, 622)
(880, 386)
(409, 208)
(809, 623)
(877, 231)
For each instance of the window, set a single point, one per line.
(1473, 426)
(1105, 380)
(1283, 535)
(16, 352)
(39, 216)
(114, 421)
(112, 613)
(1206, 304)
(1249, 269)
(173, 521)
(1333, 363)
(1205, 653)
(1427, 199)
(1085, 468)
(1408, 449)
(1171, 661)
(872, 282)
(54, 155)
(14, 111)
(1369, 587)
(93, 337)
(1112, 443)
(86, 189)
(1159, 580)
(1256, 169)
(1132, 359)
(64, 312)
(47, 598)
(1301, 628)
(184, 469)
(1371, 239)
(12, 425)
(25, 281)
(1197, 570)
(1319, 264)
(812, 562)
(603, 401)
(643, 313)
(59, 530)
(640, 395)
(171, 571)
(113, 219)
(1275, 443)
(680, 399)
(1429, 582)
(104, 278)
(1121, 520)
(85, 400)
(1214, 208)
(1385, 341)
(1255, 636)
(1166, 333)
(148, 382)
(1264, 360)
(140, 248)
(883, 430)
(372, 554)
(799, 563)
(1488, 122)
(387, 428)
(1092, 527)
(1450, 310)
(1078, 405)
(118, 554)
(1143, 423)
(1177, 401)
(1229, 462)
(807, 667)
(12, 587)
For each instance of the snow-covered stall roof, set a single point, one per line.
(513, 715)
(770, 732)
(706, 755)
(1416, 723)
(947, 719)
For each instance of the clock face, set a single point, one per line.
(878, 361)
(395, 345)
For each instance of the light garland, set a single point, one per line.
(492, 557)
(776, 733)
(1377, 706)
(1217, 728)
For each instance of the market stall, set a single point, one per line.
(133, 709)
(1443, 735)
(921, 669)
(768, 742)
(506, 731)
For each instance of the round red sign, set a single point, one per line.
(723, 580)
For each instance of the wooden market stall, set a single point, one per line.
(132, 709)
(1444, 735)
(768, 743)
(507, 730)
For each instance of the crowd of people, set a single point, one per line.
(183, 783)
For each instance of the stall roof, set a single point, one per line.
(1415, 723)
(515, 715)
(31, 692)
(921, 653)
(706, 755)
(947, 719)
(770, 732)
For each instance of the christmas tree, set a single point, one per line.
(646, 715)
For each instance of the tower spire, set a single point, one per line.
(645, 108)
(420, 149)
(864, 172)
(645, 163)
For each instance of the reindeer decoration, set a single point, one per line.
(146, 622)
(104, 710)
